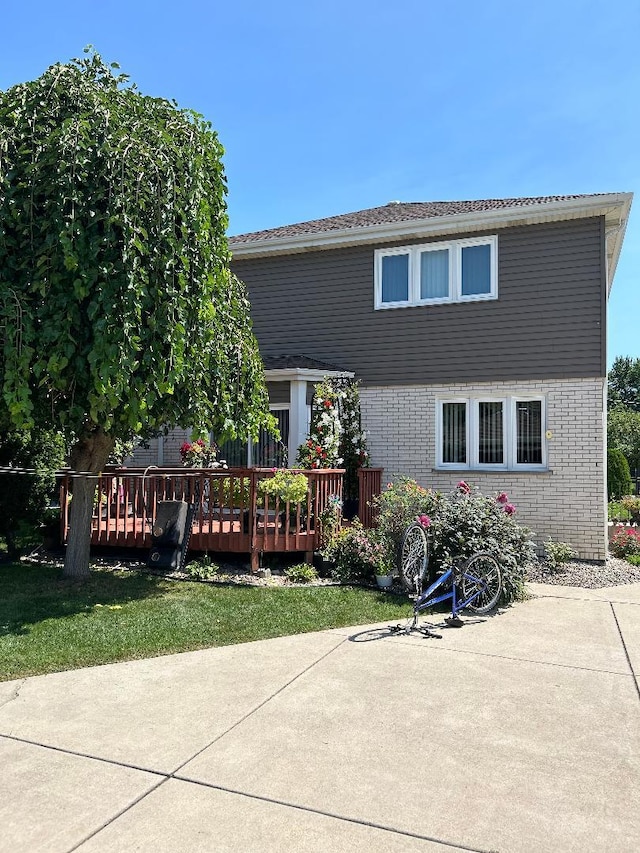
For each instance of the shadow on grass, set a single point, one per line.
(34, 593)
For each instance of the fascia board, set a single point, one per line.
(416, 229)
(311, 375)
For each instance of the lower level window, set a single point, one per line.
(480, 433)
(266, 452)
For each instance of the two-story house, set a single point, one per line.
(478, 331)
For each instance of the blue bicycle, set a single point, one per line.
(474, 585)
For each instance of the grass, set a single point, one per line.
(49, 624)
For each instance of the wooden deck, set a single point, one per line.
(231, 513)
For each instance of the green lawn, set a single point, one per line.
(48, 624)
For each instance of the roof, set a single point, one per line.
(410, 221)
(398, 211)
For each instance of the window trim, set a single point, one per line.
(510, 432)
(455, 248)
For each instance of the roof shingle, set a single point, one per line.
(397, 212)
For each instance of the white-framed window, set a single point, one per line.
(491, 433)
(435, 273)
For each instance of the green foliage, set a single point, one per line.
(203, 569)
(459, 524)
(119, 310)
(322, 448)
(353, 439)
(235, 492)
(24, 497)
(357, 554)
(301, 573)
(399, 505)
(624, 383)
(623, 433)
(336, 437)
(617, 512)
(631, 503)
(618, 476)
(633, 559)
(330, 519)
(625, 543)
(286, 485)
(558, 553)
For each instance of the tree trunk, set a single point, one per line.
(88, 456)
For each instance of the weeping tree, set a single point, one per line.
(118, 313)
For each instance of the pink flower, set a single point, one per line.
(509, 509)
(464, 487)
(503, 498)
(424, 520)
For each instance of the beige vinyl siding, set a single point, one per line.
(548, 320)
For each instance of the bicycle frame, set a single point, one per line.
(424, 600)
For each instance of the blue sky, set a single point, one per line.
(328, 107)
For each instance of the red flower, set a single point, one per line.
(503, 498)
(464, 487)
(327, 404)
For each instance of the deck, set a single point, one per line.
(231, 513)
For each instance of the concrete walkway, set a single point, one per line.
(520, 732)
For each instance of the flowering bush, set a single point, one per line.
(398, 505)
(358, 554)
(625, 543)
(632, 505)
(336, 437)
(200, 454)
(353, 439)
(321, 449)
(460, 524)
(289, 486)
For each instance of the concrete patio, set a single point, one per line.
(519, 732)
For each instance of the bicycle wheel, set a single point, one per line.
(481, 575)
(414, 557)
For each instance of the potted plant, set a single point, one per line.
(291, 488)
(384, 572)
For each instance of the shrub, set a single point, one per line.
(398, 506)
(461, 524)
(558, 553)
(301, 573)
(466, 522)
(357, 553)
(617, 512)
(203, 569)
(625, 543)
(634, 559)
(24, 497)
(632, 505)
(618, 475)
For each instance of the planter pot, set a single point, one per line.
(384, 581)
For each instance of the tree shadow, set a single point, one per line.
(30, 594)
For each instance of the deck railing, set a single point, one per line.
(231, 513)
(369, 486)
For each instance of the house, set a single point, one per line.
(478, 331)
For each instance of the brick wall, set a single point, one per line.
(567, 502)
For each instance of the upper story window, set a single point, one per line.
(433, 273)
